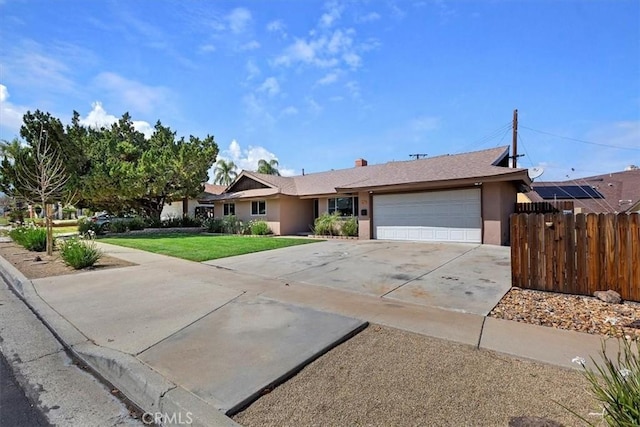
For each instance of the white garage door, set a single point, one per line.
(435, 216)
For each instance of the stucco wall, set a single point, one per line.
(296, 215)
(174, 210)
(498, 202)
(364, 221)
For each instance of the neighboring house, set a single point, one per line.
(609, 193)
(457, 198)
(201, 206)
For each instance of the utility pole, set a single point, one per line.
(515, 138)
(417, 156)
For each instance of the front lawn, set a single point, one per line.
(201, 247)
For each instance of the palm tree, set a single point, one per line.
(225, 172)
(269, 168)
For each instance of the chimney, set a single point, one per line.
(361, 162)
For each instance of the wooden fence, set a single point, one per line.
(577, 254)
(545, 207)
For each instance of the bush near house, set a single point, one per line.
(326, 225)
(349, 227)
(260, 228)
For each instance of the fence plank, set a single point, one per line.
(559, 278)
(514, 233)
(581, 284)
(570, 253)
(524, 251)
(534, 243)
(623, 255)
(634, 231)
(549, 252)
(593, 253)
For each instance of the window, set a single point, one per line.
(345, 206)
(229, 209)
(259, 207)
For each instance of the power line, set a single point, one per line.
(581, 140)
(493, 134)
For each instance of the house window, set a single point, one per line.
(259, 207)
(229, 209)
(345, 206)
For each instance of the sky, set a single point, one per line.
(318, 84)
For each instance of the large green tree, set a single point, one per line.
(128, 171)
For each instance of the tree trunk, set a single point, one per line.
(49, 225)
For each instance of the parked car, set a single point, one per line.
(101, 219)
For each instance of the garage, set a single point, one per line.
(434, 216)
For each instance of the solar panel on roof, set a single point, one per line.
(568, 192)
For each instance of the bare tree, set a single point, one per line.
(43, 179)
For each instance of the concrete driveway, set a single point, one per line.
(468, 278)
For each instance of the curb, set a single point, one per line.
(162, 401)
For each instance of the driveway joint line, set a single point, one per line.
(191, 323)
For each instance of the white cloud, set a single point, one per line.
(369, 17)
(270, 86)
(424, 123)
(248, 158)
(252, 70)
(98, 118)
(134, 95)
(328, 79)
(333, 14)
(324, 50)
(277, 27)
(207, 48)
(289, 111)
(238, 20)
(252, 45)
(10, 115)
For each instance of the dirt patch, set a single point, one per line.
(35, 265)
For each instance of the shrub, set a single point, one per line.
(17, 215)
(119, 226)
(80, 253)
(153, 222)
(137, 223)
(349, 227)
(84, 226)
(188, 221)
(214, 225)
(232, 225)
(326, 225)
(30, 237)
(616, 384)
(259, 228)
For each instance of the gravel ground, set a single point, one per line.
(573, 312)
(389, 377)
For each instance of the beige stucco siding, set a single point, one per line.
(498, 202)
(296, 215)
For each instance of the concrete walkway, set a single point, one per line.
(182, 337)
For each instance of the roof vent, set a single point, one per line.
(360, 163)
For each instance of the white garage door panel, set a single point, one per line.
(441, 216)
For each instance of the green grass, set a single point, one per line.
(4, 221)
(65, 229)
(203, 248)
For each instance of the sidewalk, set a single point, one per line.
(181, 337)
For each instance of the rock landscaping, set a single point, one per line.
(572, 312)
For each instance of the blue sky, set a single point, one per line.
(318, 84)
